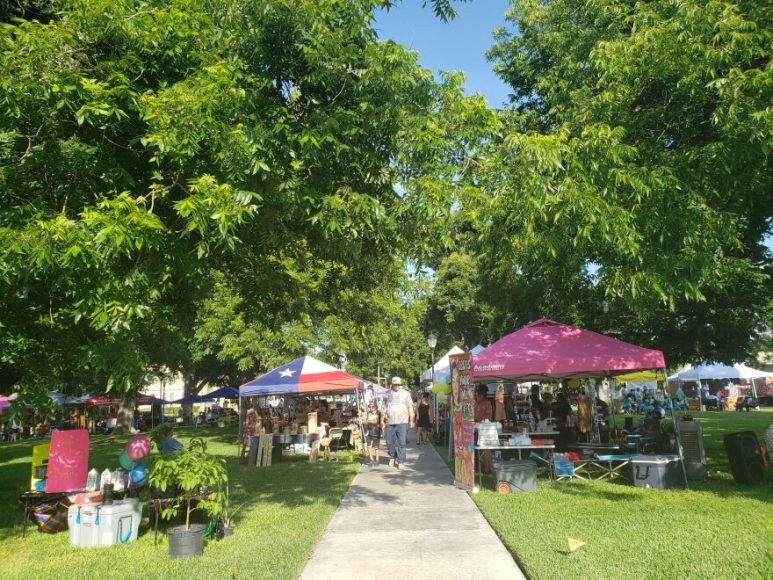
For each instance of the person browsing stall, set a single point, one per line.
(483, 408)
(426, 419)
(397, 417)
(373, 433)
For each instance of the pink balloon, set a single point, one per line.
(138, 447)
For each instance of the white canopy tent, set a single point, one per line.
(719, 371)
(712, 371)
(442, 368)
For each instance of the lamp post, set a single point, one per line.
(432, 343)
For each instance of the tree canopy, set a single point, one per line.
(212, 187)
(163, 161)
(633, 170)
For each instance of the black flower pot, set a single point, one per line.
(186, 542)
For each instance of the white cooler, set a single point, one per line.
(96, 525)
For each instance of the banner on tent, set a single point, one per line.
(463, 393)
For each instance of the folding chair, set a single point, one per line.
(541, 461)
(565, 468)
(612, 465)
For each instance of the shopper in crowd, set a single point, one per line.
(323, 413)
(562, 412)
(538, 410)
(397, 417)
(15, 429)
(425, 419)
(373, 432)
(250, 428)
(169, 444)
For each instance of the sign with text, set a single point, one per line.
(463, 397)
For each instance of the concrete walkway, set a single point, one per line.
(409, 524)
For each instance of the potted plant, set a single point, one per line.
(193, 472)
(227, 515)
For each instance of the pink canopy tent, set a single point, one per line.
(549, 349)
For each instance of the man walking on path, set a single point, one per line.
(397, 417)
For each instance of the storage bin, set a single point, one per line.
(520, 475)
(658, 471)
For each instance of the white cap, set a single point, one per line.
(397, 381)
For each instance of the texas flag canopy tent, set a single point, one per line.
(303, 375)
(548, 349)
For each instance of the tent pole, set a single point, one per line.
(676, 428)
(700, 393)
(612, 404)
(239, 442)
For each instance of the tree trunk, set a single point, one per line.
(189, 388)
(125, 422)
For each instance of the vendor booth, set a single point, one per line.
(544, 350)
(302, 378)
(718, 371)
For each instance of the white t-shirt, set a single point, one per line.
(397, 405)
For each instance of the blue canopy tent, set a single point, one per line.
(189, 399)
(222, 393)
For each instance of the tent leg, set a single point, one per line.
(676, 428)
(450, 416)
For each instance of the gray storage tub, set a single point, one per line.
(658, 471)
(519, 475)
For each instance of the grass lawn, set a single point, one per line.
(285, 509)
(716, 529)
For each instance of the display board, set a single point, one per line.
(68, 461)
(463, 398)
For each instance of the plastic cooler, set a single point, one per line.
(96, 525)
(658, 471)
(520, 475)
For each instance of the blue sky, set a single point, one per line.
(457, 45)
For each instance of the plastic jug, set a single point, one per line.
(92, 482)
(107, 477)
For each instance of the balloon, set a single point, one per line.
(138, 474)
(441, 388)
(442, 397)
(138, 447)
(126, 461)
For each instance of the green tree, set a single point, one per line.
(633, 169)
(147, 147)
